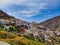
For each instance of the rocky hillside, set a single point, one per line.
(3, 15)
(12, 31)
(53, 23)
(17, 32)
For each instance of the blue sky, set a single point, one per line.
(31, 10)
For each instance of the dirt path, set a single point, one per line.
(3, 43)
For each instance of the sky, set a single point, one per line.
(31, 10)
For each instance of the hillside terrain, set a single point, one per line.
(53, 23)
(18, 32)
(13, 39)
(3, 15)
(10, 29)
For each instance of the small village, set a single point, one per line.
(39, 32)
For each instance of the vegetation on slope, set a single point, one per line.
(16, 40)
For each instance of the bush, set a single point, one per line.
(11, 29)
(23, 44)
(4, 34)
(1, 26)
(11, 43)
(28, 37)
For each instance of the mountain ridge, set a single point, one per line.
(52, 23)
(3, 15)
(39, 34)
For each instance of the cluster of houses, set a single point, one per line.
(17, 22)
(30, 28)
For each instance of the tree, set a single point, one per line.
(12, 29)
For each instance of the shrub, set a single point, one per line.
(4, 34)
(23, 44)
(11, 43)
(11, 29)
(1, 26)
(28, 37)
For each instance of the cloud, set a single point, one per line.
(31, 3)
(28, 15)
(32, 6)
(28, 7)
(24, 13)
(4, 3)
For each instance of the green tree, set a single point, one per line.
(12, 29)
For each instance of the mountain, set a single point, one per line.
(18, 32)
(15, 37)
(3, 15)
(53, 23)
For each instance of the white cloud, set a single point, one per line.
(4, 3)
(34, 10)
(31, 5)
(26, 13)
(34, 6)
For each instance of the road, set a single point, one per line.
(3, 43)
